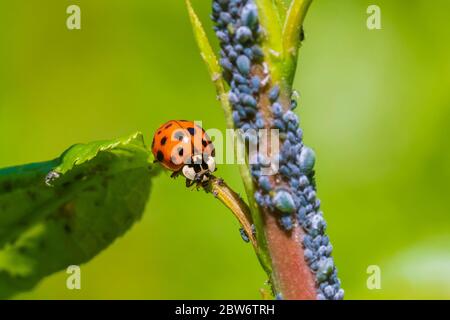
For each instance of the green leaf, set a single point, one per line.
(206, 50)
(291, 34)
(211, 61)
(64, 212)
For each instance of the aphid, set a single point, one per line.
(283, 201)
(309, 255)
(326, 267)
(303, 181)
(257, 52)
(277, 109)
(183, 147)
(274, 93)
(339, 295)
(255, 83)
(244, 235)
(250, 15)
(243, 34)
(248, 100)
(225, 17)
(286, 222)
(307, 160)
(289, 116)
(278, 124)
(264, 183)
(260, 124)
(302, 34)
(233, 98)
(222, 36)
(249, 53)
(243, 64)
(226, 64)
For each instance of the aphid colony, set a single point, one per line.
(184, 147)
(239, 32)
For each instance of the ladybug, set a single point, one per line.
(184, 147)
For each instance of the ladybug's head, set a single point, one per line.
(200, 168)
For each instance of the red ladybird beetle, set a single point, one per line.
(183, 147)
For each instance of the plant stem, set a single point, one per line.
(291, 275)
(291, 39)
(234, 202)
(259, 42)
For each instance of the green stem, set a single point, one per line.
(234, 202)
(280, 254)
(290, 275)
(291, 36)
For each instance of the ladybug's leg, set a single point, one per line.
(205, 184)
(189, 183)
(175, 174)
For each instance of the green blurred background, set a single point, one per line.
(375, 106)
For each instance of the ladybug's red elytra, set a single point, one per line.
(184, 147)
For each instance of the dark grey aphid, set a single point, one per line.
(244, 235)
(243, 34)
(274, 93)
(250, 15)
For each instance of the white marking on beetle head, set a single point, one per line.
(189, 172)
(196, 171)
(211, 164)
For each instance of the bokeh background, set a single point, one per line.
(375, 106)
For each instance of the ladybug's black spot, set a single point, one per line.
(191, 131)
(159, 132)
(168, 126)
(163, 141)
(204, 143)
(204, 166)
(213, 152)
(160, 156)
(180, 152)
